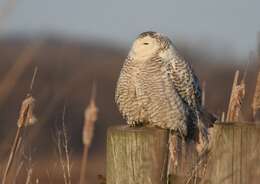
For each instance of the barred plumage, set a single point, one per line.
(157, 87)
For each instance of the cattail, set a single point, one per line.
(26, 117)
(88, 131)
(89, 123)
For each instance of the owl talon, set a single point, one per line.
(135, 124)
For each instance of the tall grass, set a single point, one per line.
(63, 150)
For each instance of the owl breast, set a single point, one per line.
(145, 95)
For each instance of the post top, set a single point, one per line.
(239, 124)
(127, 128)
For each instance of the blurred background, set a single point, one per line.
(76, 43)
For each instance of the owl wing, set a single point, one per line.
(185, 82)
(187, 85)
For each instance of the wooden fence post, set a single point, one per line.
(136, 155)
(140, 156)
(235, 155)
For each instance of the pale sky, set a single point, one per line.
(231, 22)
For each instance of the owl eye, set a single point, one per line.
(146, 43)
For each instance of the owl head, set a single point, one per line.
(149, 44)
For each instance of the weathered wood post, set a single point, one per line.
(140, 156)
(235, 155)
(136, 155)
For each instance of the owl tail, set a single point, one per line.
(205, 121)
(207, 118)
(175, 143)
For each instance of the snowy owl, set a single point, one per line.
(157, 87)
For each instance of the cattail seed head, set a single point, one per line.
(89, 122)
(26, 116)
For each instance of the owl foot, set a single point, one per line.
(135, 124)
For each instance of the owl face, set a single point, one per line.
(147, 45)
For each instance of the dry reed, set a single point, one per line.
(223, 117)
(88, 131)
(203, 94)
(29, 176)
(26, 117)
(256, 99)
(18, 171)
(236, 98)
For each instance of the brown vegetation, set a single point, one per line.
(66, 71)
